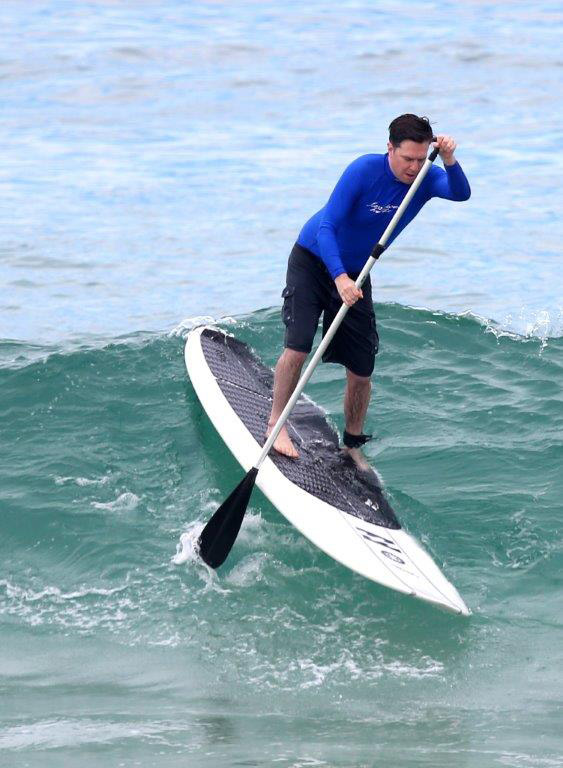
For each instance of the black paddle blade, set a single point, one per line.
(218, 536)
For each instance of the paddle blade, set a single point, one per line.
(218, 536)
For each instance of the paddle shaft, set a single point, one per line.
(376, 252)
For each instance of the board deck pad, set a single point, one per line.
(322, 469)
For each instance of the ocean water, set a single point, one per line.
(158, 161)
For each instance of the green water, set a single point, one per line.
(111, 655)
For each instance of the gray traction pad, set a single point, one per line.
(321, 469)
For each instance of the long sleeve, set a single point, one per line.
(340, 203)
(450, 184)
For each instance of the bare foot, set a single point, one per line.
(358, 458)
(282, 443)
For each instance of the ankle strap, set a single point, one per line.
(355, 441)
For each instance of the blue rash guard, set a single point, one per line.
(361, 206)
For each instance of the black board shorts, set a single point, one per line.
(309, 292)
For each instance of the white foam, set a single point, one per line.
(539, 323)
(82, 481)
(428, 668)
(187, 552)
(189, 323)
(526, 323)
(187, 549)
(127, 502)
(252, 529)
(57, 595)
(93, 481)
(248, 571)
(53, 734)
(319, 673)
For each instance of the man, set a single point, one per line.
(331, 251)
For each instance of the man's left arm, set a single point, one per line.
(453, 184)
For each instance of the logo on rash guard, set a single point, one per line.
(377, 208)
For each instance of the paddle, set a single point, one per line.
(219, 535)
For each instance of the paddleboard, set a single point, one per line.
(342, 511)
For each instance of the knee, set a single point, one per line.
(294, 358)
(358, 379)
(360, 382)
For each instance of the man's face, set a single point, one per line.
(407, 159)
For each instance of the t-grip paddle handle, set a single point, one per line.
(329, 335)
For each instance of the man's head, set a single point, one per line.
(409, 139)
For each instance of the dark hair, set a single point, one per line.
(410, 128)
